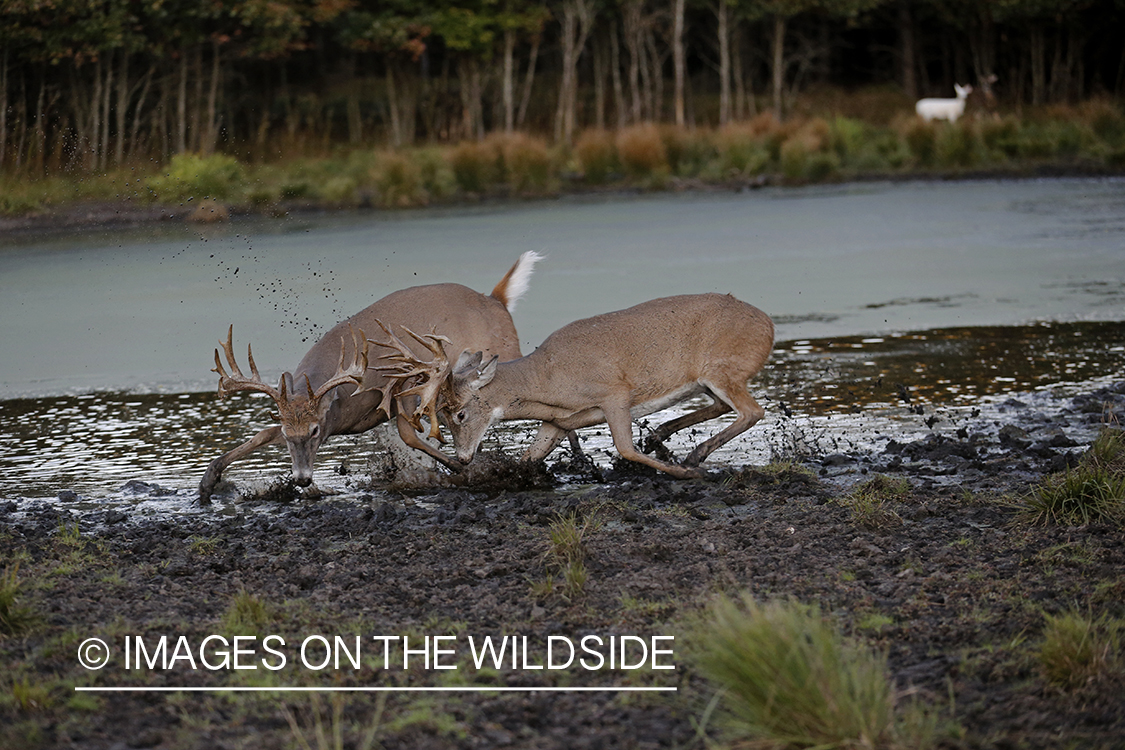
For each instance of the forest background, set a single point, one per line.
(401, 102)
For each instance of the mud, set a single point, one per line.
(951, 582)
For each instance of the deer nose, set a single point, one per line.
(302, 481)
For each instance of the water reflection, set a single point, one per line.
(854, 389)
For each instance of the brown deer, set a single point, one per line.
(610, 368)
(333, 391)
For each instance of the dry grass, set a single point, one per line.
(642, 152)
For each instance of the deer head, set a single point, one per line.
(301, 412)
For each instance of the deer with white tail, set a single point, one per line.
(944, 109)
(333, 391)
(610, 368)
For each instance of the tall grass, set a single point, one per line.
(642, 152)
(789, 679)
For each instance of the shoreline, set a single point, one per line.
(125, 214)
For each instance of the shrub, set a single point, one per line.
(958, 145)
(641, 151)
(399, 182)
(741, 149)
(1077, 650)
(597, 155)
(921, 139)
(790, 680)
(193, 176)
(803, 155)
(527, 163)
(476, 165)
(688, 151)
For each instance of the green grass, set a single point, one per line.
(788, 678)
(870, 502)
(15, 618)
(1092, 492)
(1078, 650)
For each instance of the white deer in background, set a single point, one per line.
(333, 391)
(944, 109)
(610, 368)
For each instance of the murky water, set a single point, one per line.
(884, 294)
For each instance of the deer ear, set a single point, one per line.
(485, 374)
(468, 360)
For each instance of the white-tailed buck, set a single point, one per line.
(944, 109)
(611, 368)
(336, 391)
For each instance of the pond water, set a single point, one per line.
(108, 335)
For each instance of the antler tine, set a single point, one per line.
(235, 380)
(353, 373)
(407, 366)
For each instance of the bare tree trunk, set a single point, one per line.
(529, 79)
(632, 18)
(722, 12)
(778, 65)
(507, 84)
(743, 102)
(392, 107)
(576, 28)
(196, 108)
(181, 105)
(678, 61)
(40, 125)
(135, 131)
(3, 106)
(906, 41)
(599, 83)
(213, 100)
(656, 79)
(615, 70)
(122, 108)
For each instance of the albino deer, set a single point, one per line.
(944, 109)
(612, 368)
(333, 391)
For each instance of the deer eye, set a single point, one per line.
(314, 431)
(459, 417)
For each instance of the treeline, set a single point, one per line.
(96, 84)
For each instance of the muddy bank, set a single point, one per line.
(950, 581)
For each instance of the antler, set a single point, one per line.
(432, 376)
(353, 373)
(228, 384)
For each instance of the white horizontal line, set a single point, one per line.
(471, 689)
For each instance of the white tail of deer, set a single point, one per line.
(944, 109)
(614, 368)
(334, 391)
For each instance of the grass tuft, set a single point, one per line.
(870, 502)
(789, 679)
(15, 618)
(1092, 492)
(1077, 650)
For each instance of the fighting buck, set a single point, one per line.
(944, 109)
(335, 391)
(611, 368)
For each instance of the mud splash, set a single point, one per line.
(852, 396)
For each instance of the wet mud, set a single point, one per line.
(952, 583)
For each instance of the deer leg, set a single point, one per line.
(702, 414)
(748, 410)
(268, 436)
(410, 437)
(546, 439)
(621, 428)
